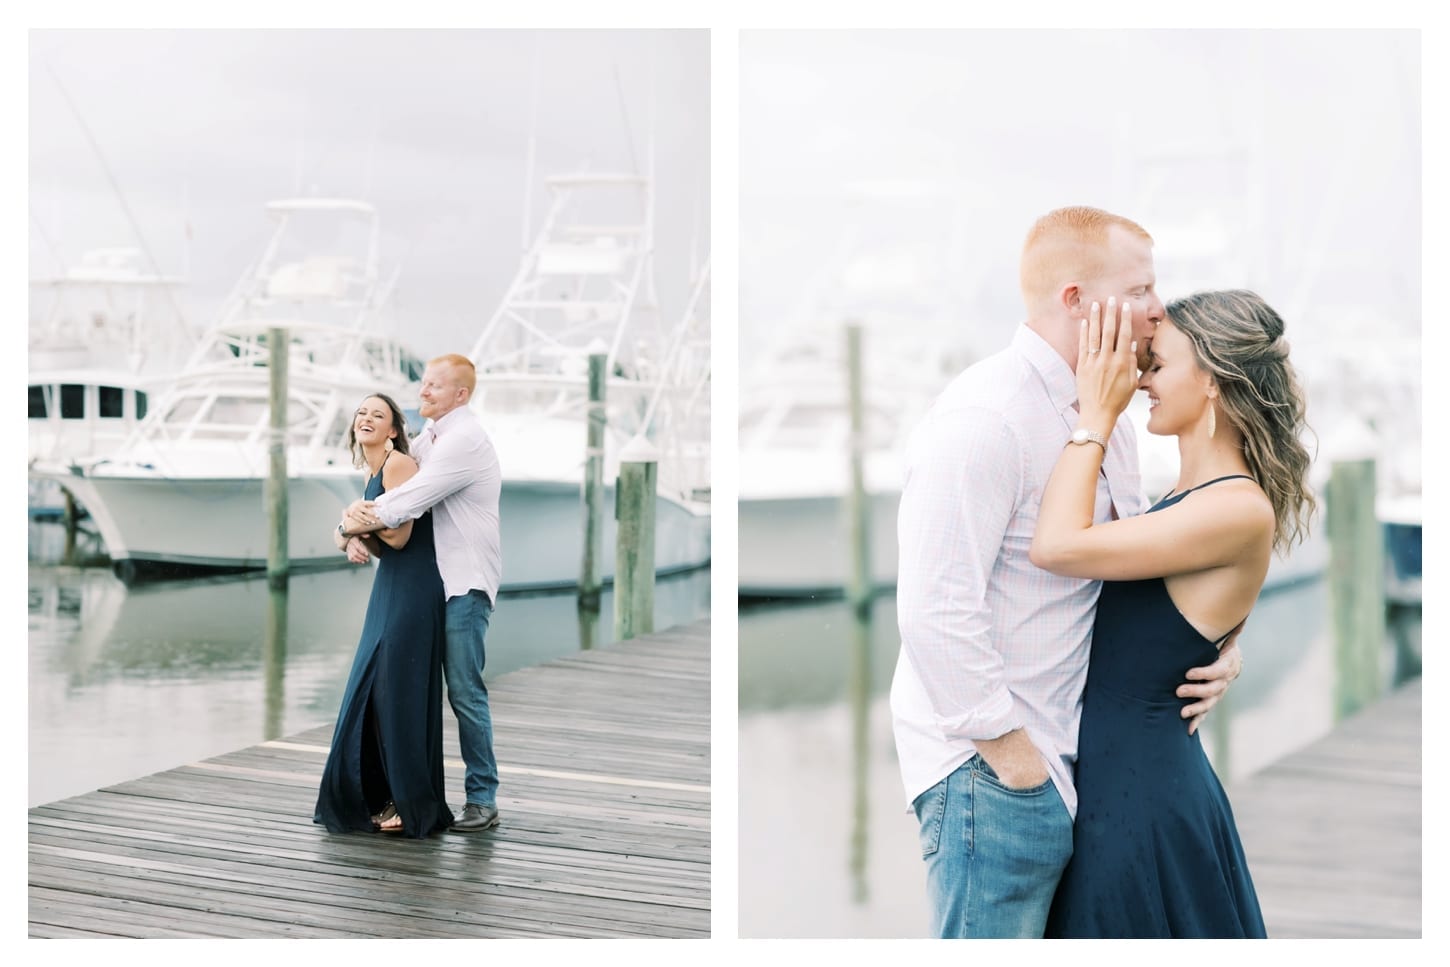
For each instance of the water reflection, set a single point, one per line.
(827, 845)
(124, 681)
(860, 688)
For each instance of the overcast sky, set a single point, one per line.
(904, 167)
(199, 129)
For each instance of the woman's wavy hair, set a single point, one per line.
(1239, 339)
(400, 442)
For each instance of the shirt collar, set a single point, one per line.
(451, 418)
(1056, 374)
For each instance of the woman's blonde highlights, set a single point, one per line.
(1239, 340)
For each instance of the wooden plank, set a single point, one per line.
(605, 801)
(1332, 833)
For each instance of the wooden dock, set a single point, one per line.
(605, 826)
(1333, 832)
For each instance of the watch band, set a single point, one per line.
(1083, 436)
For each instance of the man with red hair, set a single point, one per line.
(458, 478)
(988, 686)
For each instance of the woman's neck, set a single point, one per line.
(1202, 458)
(374, 456)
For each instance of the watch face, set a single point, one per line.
(1079, 436)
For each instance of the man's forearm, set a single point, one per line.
(352, 527)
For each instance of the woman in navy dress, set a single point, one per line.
(385, 769)
(1155, 849)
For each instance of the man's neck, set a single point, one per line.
(1058, 334)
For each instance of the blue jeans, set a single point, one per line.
(993, 854)
(465, 624)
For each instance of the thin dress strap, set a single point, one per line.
(1232, 476)
(383, 464)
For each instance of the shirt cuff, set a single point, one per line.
(991, 719)
(380, 508)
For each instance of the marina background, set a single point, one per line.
(887, 179)
(171, 142)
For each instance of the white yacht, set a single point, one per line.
(106, 336)
(585, 286)
(795, 449)
(185, 490)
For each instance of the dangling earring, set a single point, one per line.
(388, 443)
(1212, 424)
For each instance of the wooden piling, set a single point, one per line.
(274, 664)
(278, 343)
(634, 550)
(1356, 584)
(858, 502)
(590, 579)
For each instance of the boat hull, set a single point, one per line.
(157, 527)
(793, 547)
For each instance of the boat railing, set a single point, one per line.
(213, 412)
(583, 278)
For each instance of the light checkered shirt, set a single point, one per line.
(990, 642)
(458, 478)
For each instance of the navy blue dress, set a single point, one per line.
(388, 742)
(1155, 849)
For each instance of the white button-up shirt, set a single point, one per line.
(989, 642)
(458, 477)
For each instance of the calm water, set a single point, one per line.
(125, 682)
(827, 846)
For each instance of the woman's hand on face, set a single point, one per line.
(1107, 365)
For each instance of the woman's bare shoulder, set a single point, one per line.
(398, 468)
(1239, 503)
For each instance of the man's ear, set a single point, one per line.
(1070, 297)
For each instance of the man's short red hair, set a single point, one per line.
(1066, 245)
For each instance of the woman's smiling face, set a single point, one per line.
(1177, 388)
(373, 422)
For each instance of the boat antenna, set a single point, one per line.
(49, 242)
(186, 220)
(529, 154)
(120, 195)
(301, 148)
(372, 157)
(624, 110)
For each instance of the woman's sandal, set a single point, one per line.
(388, 821)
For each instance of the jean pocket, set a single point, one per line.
(989, 777)
(930, 807)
